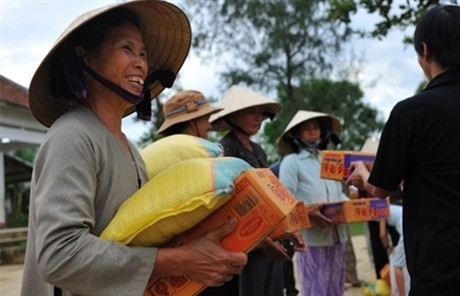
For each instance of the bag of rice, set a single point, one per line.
(172, 149)
(175, 200)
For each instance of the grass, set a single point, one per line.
(356, 228)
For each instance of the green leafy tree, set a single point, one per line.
(268, 43)
(284, 47)
(400, 14)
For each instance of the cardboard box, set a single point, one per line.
(357, 210)
(295, 221)
(259, 204)
(335, 165)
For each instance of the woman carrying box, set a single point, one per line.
(320, 269)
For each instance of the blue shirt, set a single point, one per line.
(300, 173)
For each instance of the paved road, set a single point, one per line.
(10, 275)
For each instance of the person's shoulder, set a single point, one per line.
(77, 114)
(76, 125)
(228, 140)
(411, 105)
(291, 158)
(257, 145)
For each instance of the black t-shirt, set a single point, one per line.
(420, 144)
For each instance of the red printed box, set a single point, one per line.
(335, 165)
(259, 204)
(357, 210)
(296, 220)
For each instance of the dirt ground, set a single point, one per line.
(364, 266)
(10, 275)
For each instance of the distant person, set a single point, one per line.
(187, 112)
(399, 277)
(378, 250)
(420, 144)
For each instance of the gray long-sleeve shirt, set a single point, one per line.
(81, 176)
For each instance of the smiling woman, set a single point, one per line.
(107, 63)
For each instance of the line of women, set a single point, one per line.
(241, 112)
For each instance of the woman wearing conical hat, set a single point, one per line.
(243, 114)
(108, 63)
(320, 269)
(187, 112)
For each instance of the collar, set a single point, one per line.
(304, 153)
(447, 77)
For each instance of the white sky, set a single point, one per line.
(28, 30)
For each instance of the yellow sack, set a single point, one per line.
(172, 149)
(376, 288)
(175, 200)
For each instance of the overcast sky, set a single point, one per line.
(28, 30)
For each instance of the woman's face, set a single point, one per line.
(200, 126)
(310, 131)
(122, 58)
(249, 119)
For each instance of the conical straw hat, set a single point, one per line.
(167, 37)
(184, 106)
(238, 98)
(302, 116)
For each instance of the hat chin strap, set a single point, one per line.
(235, 127)
(195, 126)
(142, 101)
(321, 144)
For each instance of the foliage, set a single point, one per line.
(393, 14)
(17, 194)
(26, 154)
(284, 47)
(269, 43)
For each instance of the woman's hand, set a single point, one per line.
(202, 259)
(298, 242)
(318, 219)
(273, 249)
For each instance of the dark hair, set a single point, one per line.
(175, 129)
(439, 29)
(92, 34)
